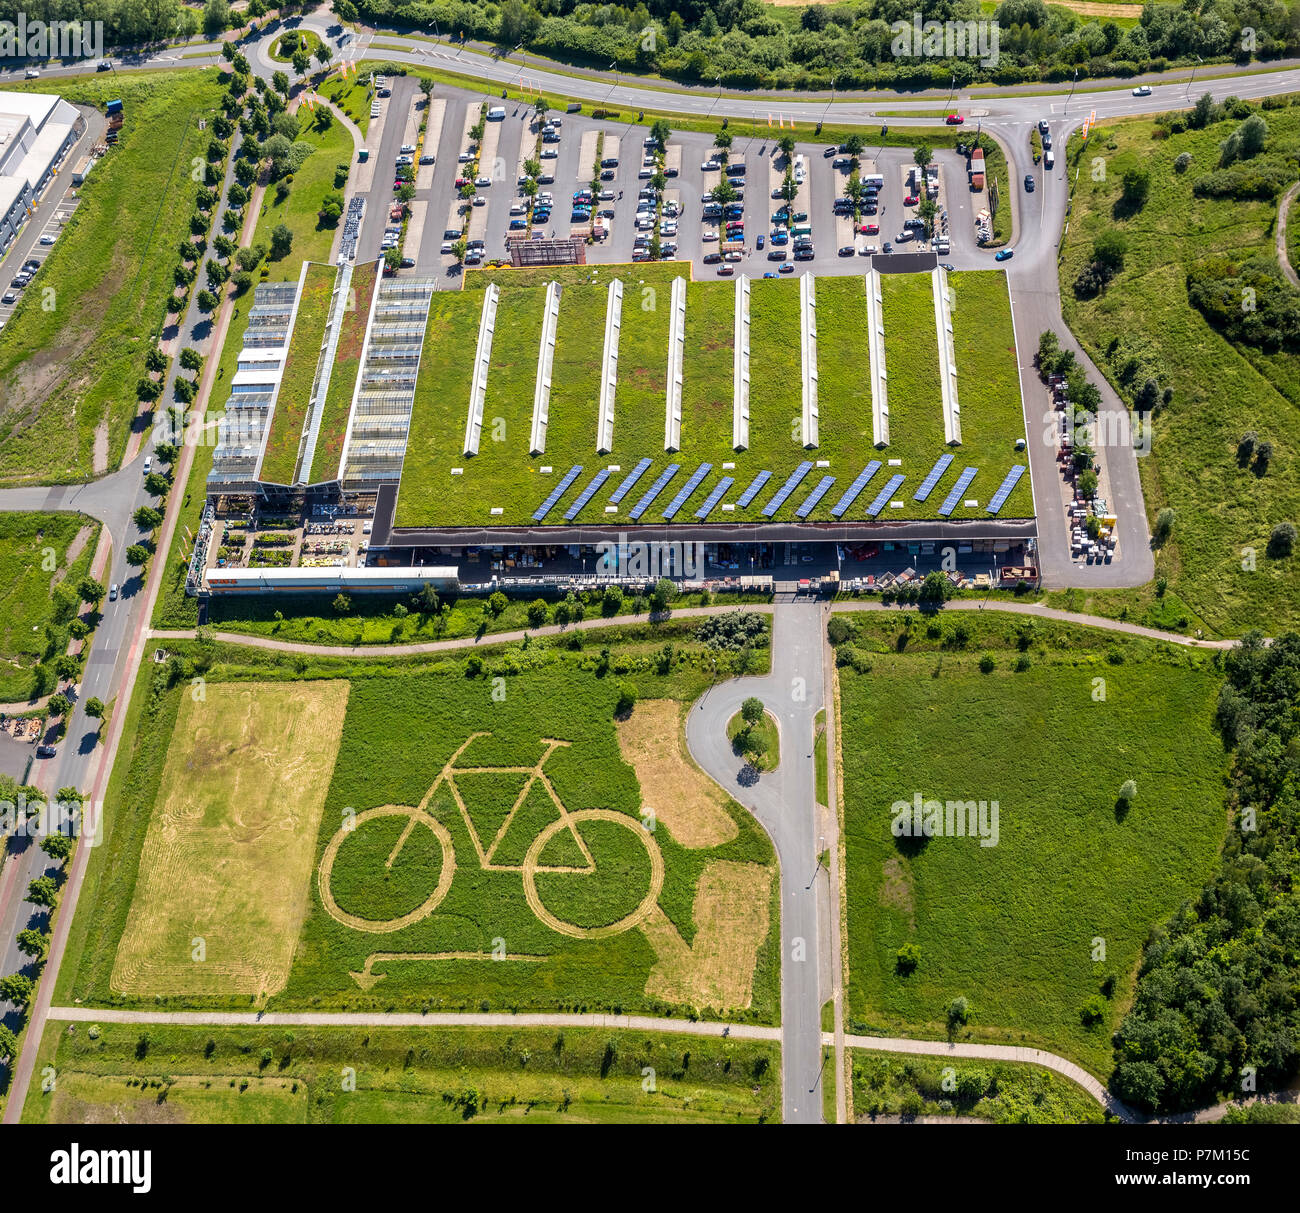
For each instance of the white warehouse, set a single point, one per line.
(36, 130)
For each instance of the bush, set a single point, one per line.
(987, 663)
(838, 630)
(1282, 540)
(733, 631)
(626, 699)
(1128, 791)
(537, 613)
(1165, 524)
(906, 959)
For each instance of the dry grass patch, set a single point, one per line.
(228, 856)
(731, 922)
(691, 805)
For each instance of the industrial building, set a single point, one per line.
(36, 131)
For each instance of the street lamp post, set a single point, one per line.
(716, 99)
(1072, 84)
(827, 110)
(1192, 77)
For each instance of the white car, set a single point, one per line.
(465, 157)
(549, 153)
(48, 239)
(483, 182)
(446, 246)
(479, 200)
(1142, 90)
(33, 73)
(709, 236)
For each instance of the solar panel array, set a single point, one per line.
(963, 482)
(810, 502)
(885, 494)
(755, 486)
(851, 493)
(655, 489)
(586, 495)
(936, 472)
(686, 490)
(711, 501)
(999, 498)
(629, 480)
(557, 492)
(792, 483)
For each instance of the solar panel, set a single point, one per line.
(963, 481)
(629, 480)
(792, 483)
(935, 474)
(557, 492)
(711, 501)
(810, 502)
(882, 498)
(586, 495)
(754, 486)
(655, 489)
(861, 481)
(1004, 489)
(687, 489)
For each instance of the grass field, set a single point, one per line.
(408, 904)
(227, 859)
(1003, 1092)
(343, 376)
(411, 1076)
(1017, 927)
(300, 362)
(70, 368)
(504, 476)
(352, 95)
(37, 553)
(312, 240)
(765, 738)
(1220, 390)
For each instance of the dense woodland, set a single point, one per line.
(1217, 993)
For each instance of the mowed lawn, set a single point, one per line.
(1220, 390)
(37, 552)
(1014, 927)
(70, 361)
(183, 1075)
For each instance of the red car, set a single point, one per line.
(954, 120)
(911, 200)
(462, 181)
(870, 229)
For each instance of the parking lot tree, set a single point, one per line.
(532, 167)
(467, 191)
(392, 258)
(659, 181)
(459, 249)
(722, 141)
(541, 106)
(91, 590)
(660, 132)
(789, 190)
(245, 174)
(224, 245)
(922, 155)
(926, 212)
(786, 143)
(854, 144)
(405, 194)
(1088, 483)
(724, 192)
(530, 187)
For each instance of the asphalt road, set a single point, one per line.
(783, 802)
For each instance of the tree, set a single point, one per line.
(17, 989)
(146, 517)
(191, 359)
(906, 959)
(789, 190)
(91, 590)
(626, 699)
(8, 1044)
(57, 846)
(156, 484)
(922, 155)
(94, 708)
(751, 711)
(281, 241)
(1088, 483)
(459, 249)
(426, 599)
(58, 705)
(33, 943)
(342, 604)
(1108, 249)
(663, 593)
(280, 82)
(537, 612)
(42, 891)
(216, 18)
(660, 132)
(207, 301)
(1282, 540)
(936, 589)
(155, 360)
(1165, 524)
(497, 602)
(137, 555)
(1137, 184)
(854, 144)
(1128, 792)
(323, 55)
(301, 62)
(786, 143)
(958, 1013)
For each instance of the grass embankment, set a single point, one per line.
(693, 951)
(352, 95)
(36, 555)
(1003, 1092)
(1144, 320)
(1043, 931)
(300, 363)
(153, 1075)
(343, 376)
(70, 360)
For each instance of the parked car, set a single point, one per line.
(712, 258)
(827, 153)
(911, 200)
(847, 250)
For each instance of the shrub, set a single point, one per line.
(906, 959)
(838, 630)
(1165, 524)
(1282, 540)
(987, 663)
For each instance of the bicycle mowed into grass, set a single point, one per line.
(557, 849)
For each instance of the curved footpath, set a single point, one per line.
(1034, 609)
(1283, 213)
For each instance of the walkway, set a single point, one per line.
(1283, 212)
